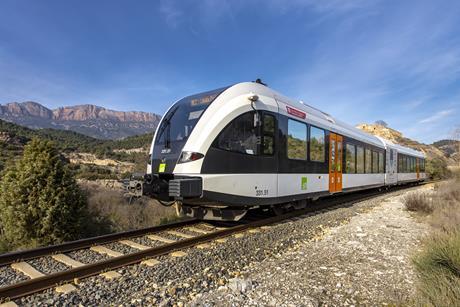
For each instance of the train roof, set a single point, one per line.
(331, 123)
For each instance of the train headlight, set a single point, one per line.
(253, 97)
(189, 156)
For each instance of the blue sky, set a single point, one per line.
(360, 61)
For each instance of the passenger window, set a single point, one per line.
(381, 164)
(269, 135)
(297, 140)
(375, 162)
(368, 161)
(317, 145)
(350, 159)
(360, 160)
(240, 135)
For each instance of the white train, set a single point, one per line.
(220, 153)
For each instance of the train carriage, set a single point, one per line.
(220, 153)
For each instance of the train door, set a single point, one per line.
(417, 167)
(391, 173)
(335, 162)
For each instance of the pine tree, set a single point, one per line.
(40, 201)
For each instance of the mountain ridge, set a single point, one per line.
(88, 119)
(437, 150)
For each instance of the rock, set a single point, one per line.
(238, 285)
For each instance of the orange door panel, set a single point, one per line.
(335, 162)
(339, 160)
(332, 159)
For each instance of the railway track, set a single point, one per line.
(169, 239)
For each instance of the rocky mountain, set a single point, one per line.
(451, 148)
(87, 119)
(444, 150)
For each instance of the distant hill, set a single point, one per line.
(451, 148)
(13, 137)
(445, 149)
(89, 120)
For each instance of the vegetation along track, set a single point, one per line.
(204, 233)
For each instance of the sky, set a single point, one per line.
(360, 61)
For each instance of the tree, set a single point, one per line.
(40, 201)
(437, 168)
(381, 123)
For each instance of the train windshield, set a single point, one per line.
(178, 123)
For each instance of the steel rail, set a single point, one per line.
(9, 258)
(41, 283)
(48, 281)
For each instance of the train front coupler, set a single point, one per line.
(139, 185)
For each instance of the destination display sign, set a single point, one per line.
(296, 113)
(202, 100)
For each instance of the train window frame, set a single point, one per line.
(381, 163)
(363, 164)
(216, 143)
(350, 155)
(375, 162)
(267, 134)
(293, 121)
(311, 128)
(367, 161)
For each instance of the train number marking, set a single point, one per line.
(262, 192)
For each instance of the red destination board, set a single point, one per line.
(296, 112)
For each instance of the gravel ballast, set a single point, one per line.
(87, 256)
(48, 265)
(9, 276)
(230, 268)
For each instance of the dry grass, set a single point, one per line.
(114, 213)
(438, 264)
(419, 202)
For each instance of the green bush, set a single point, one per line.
(438, 262)
(438, 267)
(437, 169)
(40, 201)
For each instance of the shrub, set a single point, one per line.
(40, 202)
(438, 267)
(438, 264)
(118, 215)
(419, 202)
(437, 169)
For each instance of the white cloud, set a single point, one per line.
(436, 117)
(172, 14)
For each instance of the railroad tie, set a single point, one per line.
(178, 254)
(150, 262)
(203, 246)
(161, 239)
(180, 234)
(105, 251)
(67, 288)
(27, 269)
(67, 260)
(194, 229)
(9, 304)
(110, 275)
(214, 227)
(134, 245)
